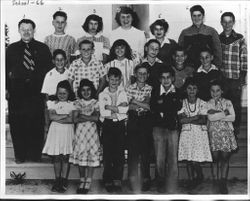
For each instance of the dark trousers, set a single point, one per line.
(139, 144)
(113, 137)
(26, 119)
(233, 92)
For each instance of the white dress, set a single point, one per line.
(194, 141)
(60, 136)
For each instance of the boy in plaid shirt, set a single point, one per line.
(234, 63)
(139, 129)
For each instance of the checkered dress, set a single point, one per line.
(86, 144)
(93, 71)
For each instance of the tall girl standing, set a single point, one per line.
(61, 132)
(121, 58)
(221, 115)
(86, 145)
(194, 142)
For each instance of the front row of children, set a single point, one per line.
(153, 116)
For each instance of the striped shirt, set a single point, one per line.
(102, 44)
(126, 67)
(234, 55)
(93, 71)
(64, 42)
(133, 92)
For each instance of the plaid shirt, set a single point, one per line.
(234, 55)
(133, 92)
(93, 71)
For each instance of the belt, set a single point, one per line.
(142, 113)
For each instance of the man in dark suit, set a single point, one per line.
(27, 62)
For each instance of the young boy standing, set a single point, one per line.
(139, 129)
(165, 102)
(60, 40)
(113, 105)
(234, 63)
(181, 70)
(206, 73)
(87, 67)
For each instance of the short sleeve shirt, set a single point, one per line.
(133, 92)
(93, 71)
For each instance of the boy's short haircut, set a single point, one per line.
(197, 8)
(59, 51)
(152, 41)
(96, 18)
(27, 21)
(167, 69)
(115, 72)
(206, 50)
(229, 14)
(139, 66)
(160, 22)
(61, 14)
(179, 48)
(86, 42)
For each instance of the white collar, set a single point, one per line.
(156, 60)
(201, 69)
(59, 35)
(166, 40)
(171, 89)
(96, 36)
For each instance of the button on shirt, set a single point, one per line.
(139, 94)
(93, 71)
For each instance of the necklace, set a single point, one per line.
(190, 108)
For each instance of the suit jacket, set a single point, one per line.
(165, 113)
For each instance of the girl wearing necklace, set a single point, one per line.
(194, 143)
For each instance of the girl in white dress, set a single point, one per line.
(86, 144)
(194, 142)
(61, 132)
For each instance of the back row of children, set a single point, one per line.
(155, 100)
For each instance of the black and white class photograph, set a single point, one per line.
(122, 98)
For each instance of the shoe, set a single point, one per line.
(56, 186)
(146, 185)
(19, 161)
(223, 186)
(109, 187)
(81, 189)
(87, 186)
(64, 184)
(117, 186)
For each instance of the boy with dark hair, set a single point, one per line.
(60, 40)
(234, 63)
(165, 102)
(199, 36)
(113, 105)
(206, 73)
(92, 27)
(139, 130)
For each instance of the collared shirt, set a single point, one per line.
(151, 64)
(93, 71)
(234, 55)
(193, 39)
(64, 42)
(126, 67)
(52, 78)
(101, 43)
(171, 89)
(115, 99)
(201, 69)
(139, 94)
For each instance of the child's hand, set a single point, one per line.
(226, 112)
(123, 104)
(212, 111)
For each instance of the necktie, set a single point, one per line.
(28, 61)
